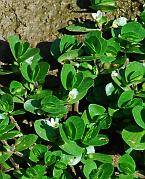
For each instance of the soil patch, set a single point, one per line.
(39, 20)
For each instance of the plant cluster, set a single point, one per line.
(92, 126)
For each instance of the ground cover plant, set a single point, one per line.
(92, 124)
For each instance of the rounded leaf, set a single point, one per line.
(139, 115)
(134, 136)
(45, 131)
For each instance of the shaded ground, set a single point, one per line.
(39, 20)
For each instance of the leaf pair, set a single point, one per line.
(21, 51)
(34, 72)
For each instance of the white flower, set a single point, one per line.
(97, 16)
(53, 123)
(75, 160)
(119, 22)
(29, 60)
(115, 73)
(90, 149)
(73, 93)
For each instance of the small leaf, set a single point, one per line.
(138, 114)
(125, 98)
(89, 165)
(129, 32)
(70, 55)
(134, 136)
(16, 88)
(9, 135)
(13, 40)
(4, 156)
(6, 103)
(68, 73)
(95, 43)
(122, 176)
(96, 110)
(36, 172)
(25, 142)
(134, 72)
(66, 43)
(79, 28)
(98, 140)
(43, 70)
(32, 106)
(104, 158)
(45, 131)
(4, 176)
(105, 171)
(50, 158)
(37, 152)
(54, 106)
(72, 148)
(127, 164)
(74, 127)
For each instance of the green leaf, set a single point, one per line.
(4, 120)
(36, 172)
(27, 72)
(122, 176)
(126, 164)
(13, 40)
(66, 43)
(55, 48)
(72, 148)
(70, 55)
(32, 106)
(25, 142)
(43, 70)
(80, 28)
(50, 158)
(96, 110)
(68, 73)
(4, 176)
(95, 140)
(103, 5)
(53, 106)
(4, 156)
(134, 136)
(103, 158)
(40, 94)
(138, 114)
(82, 88)
(6, 103)
(89, 165)
(134, 72)
(37, 152)
(129, 32)
(95, 43)
(45, 131)
(74, 127)
(113, 47)
(104, 171)
(16, 88)
(9, 135)
(32, 54)
(57, 173)
(6, 128)
(125, 98)
(107, 59)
